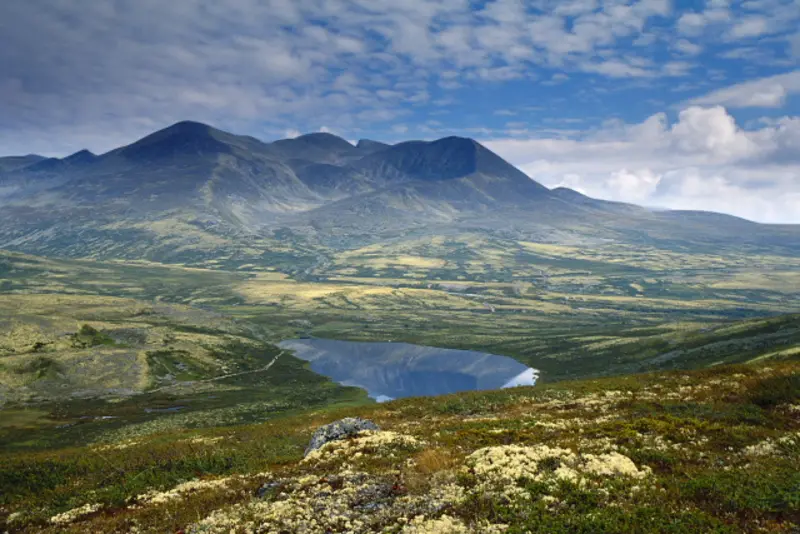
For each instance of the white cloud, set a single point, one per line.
(676, 68)
(710, 132)
(687, 47)
(724, 191)
(695, 23)
(768, 92)
(752, 26)
(701, 161)
(632, 186)
(692, 23)
(617, 69)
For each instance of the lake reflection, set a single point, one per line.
(395, 370)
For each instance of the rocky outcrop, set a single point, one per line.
(342, 429)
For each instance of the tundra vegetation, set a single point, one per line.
(712, 450)
(141, 396)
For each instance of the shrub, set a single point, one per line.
(88, 337)
(775, 390)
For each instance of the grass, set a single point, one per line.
(717, 459)
(143, 368)
(773, 391)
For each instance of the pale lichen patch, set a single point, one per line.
(449, 525)
(181, 490)
(772, 447)
(503, 470)
(382, 443)
(73, 515)
(348, 501)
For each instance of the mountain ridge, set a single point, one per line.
(321, 187)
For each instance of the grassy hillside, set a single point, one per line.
(704, 451)
(73, 367)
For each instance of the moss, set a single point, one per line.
(771, 491)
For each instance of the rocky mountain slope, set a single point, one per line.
(192, 184)
(12, 163)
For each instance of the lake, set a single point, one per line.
(396, 370)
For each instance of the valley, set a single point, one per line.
(167, 329)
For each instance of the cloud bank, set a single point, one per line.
(702, 161)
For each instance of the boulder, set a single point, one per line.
(342, 429)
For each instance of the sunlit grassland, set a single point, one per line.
(90, 364)
(541, 303)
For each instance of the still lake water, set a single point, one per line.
(395, 370)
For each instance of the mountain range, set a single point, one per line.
(191, 186)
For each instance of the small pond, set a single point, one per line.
(395, 370)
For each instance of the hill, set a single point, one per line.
(708, 451)
(12, 163)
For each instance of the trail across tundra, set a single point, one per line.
(217, 378)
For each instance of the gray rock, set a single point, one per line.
(268, 488)
(342, 429)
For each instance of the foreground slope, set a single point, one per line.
(708, 451)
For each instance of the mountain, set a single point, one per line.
(368, 145)
(12, 163)
(191, 186)
(78, 160)
(314, 147)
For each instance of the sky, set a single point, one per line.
(665, 103)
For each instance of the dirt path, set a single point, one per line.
(222, 377)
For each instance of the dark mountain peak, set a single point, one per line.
(182, 139)
(447, 158)
(455, 140)
(566, 192)
(455, 146)
(79, 157)
(324, 140)
(183, 130)
(320, 147)
(187, 128)
(370, 145)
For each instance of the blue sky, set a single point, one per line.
(666, 103)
